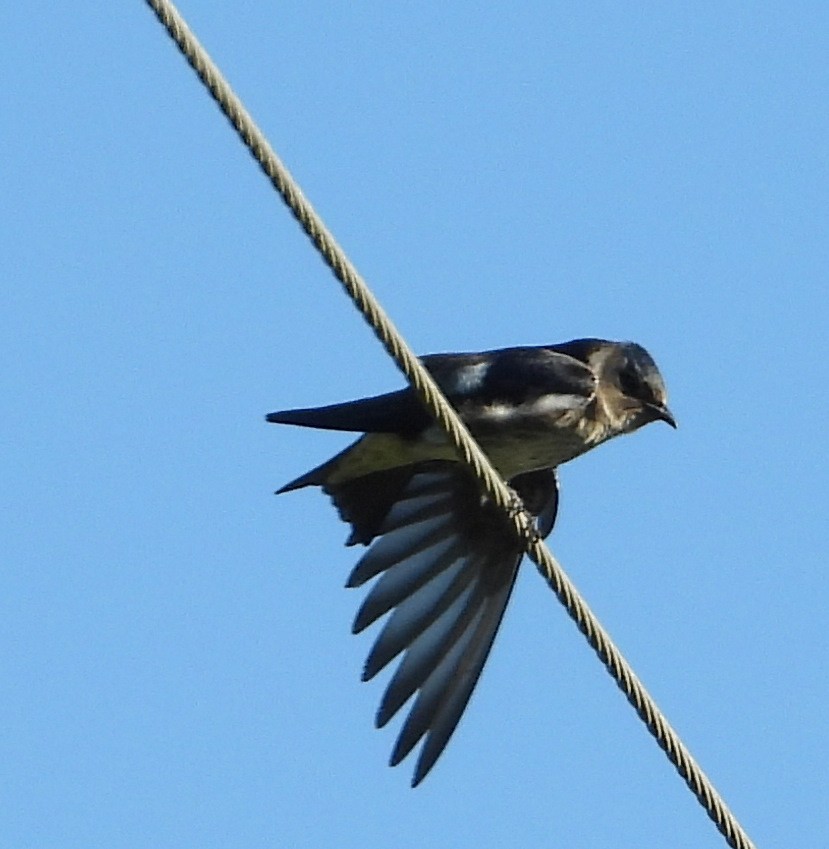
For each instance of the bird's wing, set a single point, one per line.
(396, 412)
(510, 376)
(446, 561)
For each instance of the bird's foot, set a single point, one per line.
(516, 508)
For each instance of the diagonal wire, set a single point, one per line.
(457, 432)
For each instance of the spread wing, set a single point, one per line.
(445, 562)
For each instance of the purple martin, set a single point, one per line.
(446, 557)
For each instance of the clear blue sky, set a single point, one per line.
(176, 666)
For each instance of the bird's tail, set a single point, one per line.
(316, 477)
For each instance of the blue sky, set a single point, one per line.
(175, 657)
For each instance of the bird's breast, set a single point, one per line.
(514, 443)
(524, 451)
(544, 434)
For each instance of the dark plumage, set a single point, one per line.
(443, 556)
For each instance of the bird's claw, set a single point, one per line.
(533, 537)
(516, 508)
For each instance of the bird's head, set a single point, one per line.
(642, 398)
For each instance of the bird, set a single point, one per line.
(442, 556)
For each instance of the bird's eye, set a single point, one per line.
(630, 381)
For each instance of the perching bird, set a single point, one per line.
(447, 556)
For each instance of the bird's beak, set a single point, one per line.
(662, 413)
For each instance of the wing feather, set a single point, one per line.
(445, 563)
